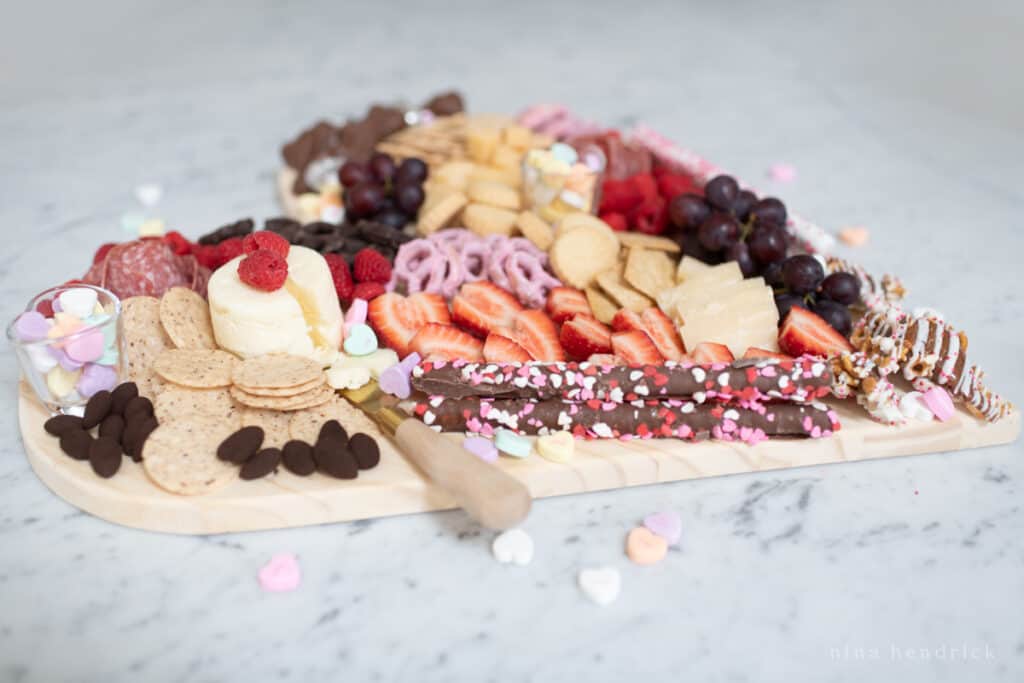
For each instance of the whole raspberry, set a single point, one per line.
(45, 307)
(178, 243)
(615, 220)
(207, 255)
(367, 291)
(263, 269)
(264, 239)
(229, 249)
(371, 266)
(341, 276)
(102, 251)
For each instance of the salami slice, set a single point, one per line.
(146, 267)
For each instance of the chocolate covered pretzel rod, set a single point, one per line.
(748, 422)
(802, 379)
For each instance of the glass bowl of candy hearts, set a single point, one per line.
(66, 340)
(560, 180)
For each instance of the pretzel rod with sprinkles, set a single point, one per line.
(749, 422)
(801, 380)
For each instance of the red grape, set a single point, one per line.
(352, 173)
(410, 171)
(841, 287)
(382, 166)
(745, 201)
(784, 302)
(768, 244)
(802, 273)
(718, 231)
(409, 197)
(769, 211)
(772, 274)
(392, 217)
(688, 211)
(364, 199)
(835, 314)
(740, 253)
(722, 191)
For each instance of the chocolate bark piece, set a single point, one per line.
(802, 379)
(668, 418)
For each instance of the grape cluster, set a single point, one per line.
(800, 280)
(730, 224)
(382, 191)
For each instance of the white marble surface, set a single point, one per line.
(900, 116)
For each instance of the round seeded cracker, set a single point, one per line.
(186, 318)
(177, 403)
(276, 371)
(308, 399)
(285, 391)
(181, 456)
(199, 368)
(143, 339)
(305, 424)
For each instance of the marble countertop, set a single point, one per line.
(904, 569)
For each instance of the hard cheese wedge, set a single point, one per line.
(698, 283)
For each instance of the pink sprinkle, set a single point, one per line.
(782, 172)
(281, 575)
(807, 423)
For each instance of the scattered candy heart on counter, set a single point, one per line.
(557, 447)
(149, 194)
(510, 443)
(481, 447)
(360, 340)
(154, 227)
(782, 173)
(939, 402)
(513, 547)
(601, 585)
(281, 575)
(79, 302)
(854, 236)
(666, 524)
(644, 547)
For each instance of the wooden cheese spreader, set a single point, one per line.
(489, 495)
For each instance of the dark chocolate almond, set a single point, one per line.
(365, 450)
(59, 424)
(122, 394)
(112, 426)
(261, 464)
(138, 406)
(76, 444)
(105, 456)
(297, 457)
(96, 409)
(241, 445)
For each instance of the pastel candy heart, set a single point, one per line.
(395, 379)
(855, 236)
(61, 382)
(63, 359)
(79, 301)
(109, 357)
(63, 325)
(481, 448)
(96, 378)
(153, 227)
(360, 341)
(32, 326)
(41, 358)
(281, 574)
(666, 524)
(600, 584)
(939, 402)
(131, 222)
(564, 152)
(510, 443)
(86, 347)
(645, 547)
(513, 547)
(557, 447)
(356, 314)
(149, 194)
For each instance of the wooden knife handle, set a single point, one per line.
(490, 496)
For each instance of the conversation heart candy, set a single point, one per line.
(513, 547)
(85, 347)
(281, 575)
(939, 402)
(564, 152)
(394, 380)
(63, 325)
(360, 340)
(557, 447)
(481, 447)
(63, 359)
(41, 358)
(31, 326)
(356, 314)
(149, 194)
(666, 524)
(61, 382)
(96, 378)
(600, 584)
(78, 302)
(510, 443)
(645, 547)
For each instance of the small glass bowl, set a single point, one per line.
(559, 183)
(49, 365)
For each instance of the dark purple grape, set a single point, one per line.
(409, 197)
(769, 211)
(392, 217)
(688, 211)
(784, 302)
(745, 201)
(718, 231)
(740, 253)
(364, 200)
(382, 166)
(835, 314)
(411, 171)
(772, 274)
(802, 273)
(722, 191)
(352, 173)
(691, 246)
(767, 244)
(841, 287)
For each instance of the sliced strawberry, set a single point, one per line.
(395, 321)
(435, 341)
(755, 352)
(565, 302)
(536, 332)
(626, 319)
(584, 336)
(634, 347)
(663, 333)
(500, 349)
(484, 307)
(805, 332)
(432, 307)
(712, 352)
(605, 359)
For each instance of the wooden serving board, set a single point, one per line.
(395, 487)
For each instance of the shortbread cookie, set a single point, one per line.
(615, 286)
(489, 220)
(632, 239)
(535, 229)
(579, 254)
(493, 194)
(440, 213)
(649, 271)
(604, 308)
